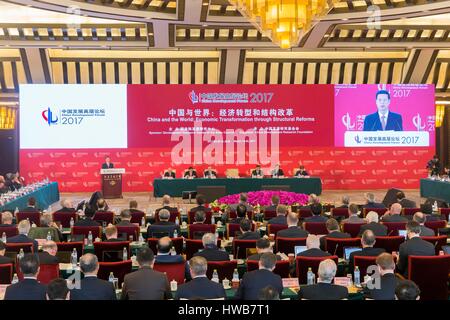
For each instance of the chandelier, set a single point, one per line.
(283, 21)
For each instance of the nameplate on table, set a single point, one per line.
(387, 139)
(112, 171)
(290, 283)
(342, 281)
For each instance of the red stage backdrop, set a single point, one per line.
(224, 126)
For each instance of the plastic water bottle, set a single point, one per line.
(435, 206)
(33, 225)
(143, 222)
(49, 236)
(15, 279)
(17, 211)
(215, 276)
(125, 254)
(111, 277)
(72, 222)
(90, 237)
(213, 220)
(74, 258)
(350, 279)
(235, 275)
(310, 277)
(141, 238)
(173, 252)
(357, 276)
(175, 233)
(21, 254)
(4, 237)
(177, 221)
(173, 285)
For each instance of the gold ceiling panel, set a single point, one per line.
(218, 34)
(165, 6)
(440, 73)
(345, 6)
(12, 72)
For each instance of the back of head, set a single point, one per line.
(101, 203)
(327, 270)
(419, 217)
(245, 225)
(46, 219)
(372, 216)
(241, 210)
(57, 289)
(275, 200)
(312, 241)
(24, 227)
(385, 261)
(89, 211)
(267, 261)
(346, 200)
(125, 214)
(29, 264)
(281, 210)
(201, 200)
(145, 256)
(413, 227)
(427, 208)
(243, 197)
(198, 265)
(268, 293)
(262, 243)
(66, 203)
(332, 225)
(316, 208)
(353, 208)
(164, 215)
(133, 204)
(7, 217)
(396, 208)
(209, 239)
(166, 200)
(88, 263)
(313, 198)
(368, 238)
(407, 290)
(49, 246)
(370, 197)
(200, 216)
(164, 245)
(292, 219)
(111, 232)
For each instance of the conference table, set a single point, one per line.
(175, 187)
(45, 196)
(430, 188)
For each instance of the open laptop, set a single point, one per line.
(402, 233)
(299, 249)
(348, 251)
(446, 249)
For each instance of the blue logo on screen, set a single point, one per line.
(48, 117)
(358, 139)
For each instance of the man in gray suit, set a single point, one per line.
(353, 211)
(419, 217)
(146, 283)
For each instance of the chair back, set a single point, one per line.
(232, 228)
(136, 216)
(119, 270)
(389, 243)
(132, 231)
(335, 246)
(431, 275)
(352, 228)
(437, 241)
(111, 251)
(6, 273)
(196, 231)
(28, 247)
(48, 272)
(445, 212)
(208, 214)
(274, 228)
(225, 269)
(393, 227)
(339, 212)
(32, 216)
(240, 247)
(281, 267)
(173, 271)
(436, 225)
(316, 227)
(269, 214)
(81, 230)
(304, 213)
(104, 217)
(177, 243)
(380, 211)
(410, 211)
(287, 245)
(64, 218)
(363, 262)
(173, 215)
(65, 250)
(304, 263)
(9, 231)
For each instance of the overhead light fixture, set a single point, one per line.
(285, 22)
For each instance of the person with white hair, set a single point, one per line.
(313, 245)
(345, 202)
(371, 202)
(211, 251)
(394, 214)
(377, 228)
(7, 219)
(48, 254)
(324, 289)
(66, 206)
(24, 228)
(163, 227)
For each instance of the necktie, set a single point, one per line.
(383, 122)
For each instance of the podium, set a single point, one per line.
(112, 183)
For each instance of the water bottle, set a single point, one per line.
(33, 225)
(235, 275)
(175, 233)
(213, 220)
(74, 258)
(350, 280)
(310, 277)
(15, 279)
(125, 254)
(141, 238)
(4, 237)
(21, 254)
(90, 237)
(173, 252)
(435, 206)
(215, 276)
(16, 211)
(173, 285)
(111, 277)
(177, 221)
(49, 236)
(143, 222)
(72, 222)
(357, 276)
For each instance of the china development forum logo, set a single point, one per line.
(48, 117)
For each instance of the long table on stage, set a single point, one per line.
(45, 196)
(435, 189)
(175, 187)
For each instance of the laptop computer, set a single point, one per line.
(299, 249)
(349, 250)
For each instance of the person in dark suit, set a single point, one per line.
(406, 203)
(209, 173)
(211, 252)
(393, 215)
(333, 232)
(108, 164)
(22, 237)
(257, 172)
(262, 246)
(252, 282)
(3, 259)
(281, 216)
(383, 119)
(420, 218)
(92, 288)
(163, 227)
(378, 229)
(434, 166)
(29, 288)
(201, 204)
(313, 245)
(414, 246)
(293, 230)
(246, 231)
(301, 172)
(145, 283)
(324, 289)
(371, 202)
(385, 288)
(243, 199)
(7, 219)
(353, 211)
(200, 287)
(57, 290)
(166, 205)
(169, 174)
(367, 243)
(87, 221)
(31, 206)
(125, 219)
(241, 212)
(112, 235)
(316, 209)
(166, 255)
(345, 202)
(66, 207)
(190, 173)
(48, 254)
(277, 172)
(134, 211)
(275, 200)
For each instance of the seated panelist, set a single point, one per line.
(210, 173)
(277, 172)
(169, 174)
(190, 173)
(301, 172)
(257, 172)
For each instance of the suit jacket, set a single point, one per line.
(6, 260)
(210, 174)
(416, 247)
(8, 225)
(364, 252)
(21, 238)
(167, 258)
(323, 291)
(378, 229)
(318, 218)
(200, 288)
(254, 281)
(29, 209)
(354, 219)
(279, 173)
(187, 174)
(257, 256)
(374, 205)
(200, 208)
(406, 203)
(394, 218)
(213, 253)
(293, 232)
(372, 122)
(257, 172)
(250, 235)
(47, 258)
(314, 252)
(278, 220)
(125, 223)
(171, 174)
(271, 208)
(301, 173)
(388, 283)
(161, 227)
(93, 288)
(87, 222)
(106, 166)
(334, 234)
(146, 284)
(65, 210)
(27, 289)
(426, 232)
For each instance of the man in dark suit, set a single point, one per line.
(316, 209)
(406, 203)
(190, 173)
(3, 259)
(48, 254)
(87, 221)
(345, 202)
(414, 246)
(166, 205)
(293, 230)
(163, 227)
(333, 232)
(281, 216)
(371, 202)
(420, 218)
(169, 174)
(353, 211)
(108, 164)
(301, 172)
(385, 288)
(112, 235)
(242, 200)
(324, 289)
(383, 119)
(31, 205)
(275, 200)
(66, 207)
(22, 237)
(367, 243)
(211, 252)
(257, 172)
(393, 215)
(313, 245)
(134, 209)
(262, 246)
(252, 282)
(241, 212)
(145, 283)
(201, 204)
(277, 172)
(57, 290)
(378, 229)
(209, 173)
(92, 288)
(7, 219)
(200, 287)
(29, 288)
(125, 219)
(246, 231)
